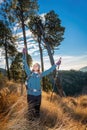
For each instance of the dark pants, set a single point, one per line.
(34, 103)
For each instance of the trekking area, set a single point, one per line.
(66, 113)
(35, 93)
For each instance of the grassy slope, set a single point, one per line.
(67, 113)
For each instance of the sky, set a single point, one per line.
(73, 49)
(73, 15)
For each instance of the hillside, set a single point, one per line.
(3, 71)
(73, 82)
(83, 69)
(67, 113)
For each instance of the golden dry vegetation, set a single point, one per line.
(67, 113)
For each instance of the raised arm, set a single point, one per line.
(48, 71)
(51, 69)
(25, 65)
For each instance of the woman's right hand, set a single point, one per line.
(59, 61)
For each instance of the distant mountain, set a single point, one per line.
(84, 69)
(3, 71)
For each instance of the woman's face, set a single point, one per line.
(36, 67)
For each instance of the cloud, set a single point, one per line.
(73, 62)
(68, 62)
(2, 63)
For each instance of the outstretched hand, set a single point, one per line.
(59, 61)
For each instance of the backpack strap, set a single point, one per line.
(29, 76)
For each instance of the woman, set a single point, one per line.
(34, 90)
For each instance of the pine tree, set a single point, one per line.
(7, 42)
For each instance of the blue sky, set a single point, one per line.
(73, 15)
(73, 49)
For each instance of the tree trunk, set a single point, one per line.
(6, 58)
(23, 29)
(42, 64)
(56, 79)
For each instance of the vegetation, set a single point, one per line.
(7, 43)
(62, 113)
(48, 33)
(16, 68)
(58, 114)
(19, 12)
(73, 82)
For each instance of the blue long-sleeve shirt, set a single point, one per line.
(34, 79)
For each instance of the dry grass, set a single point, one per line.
(67, 113)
